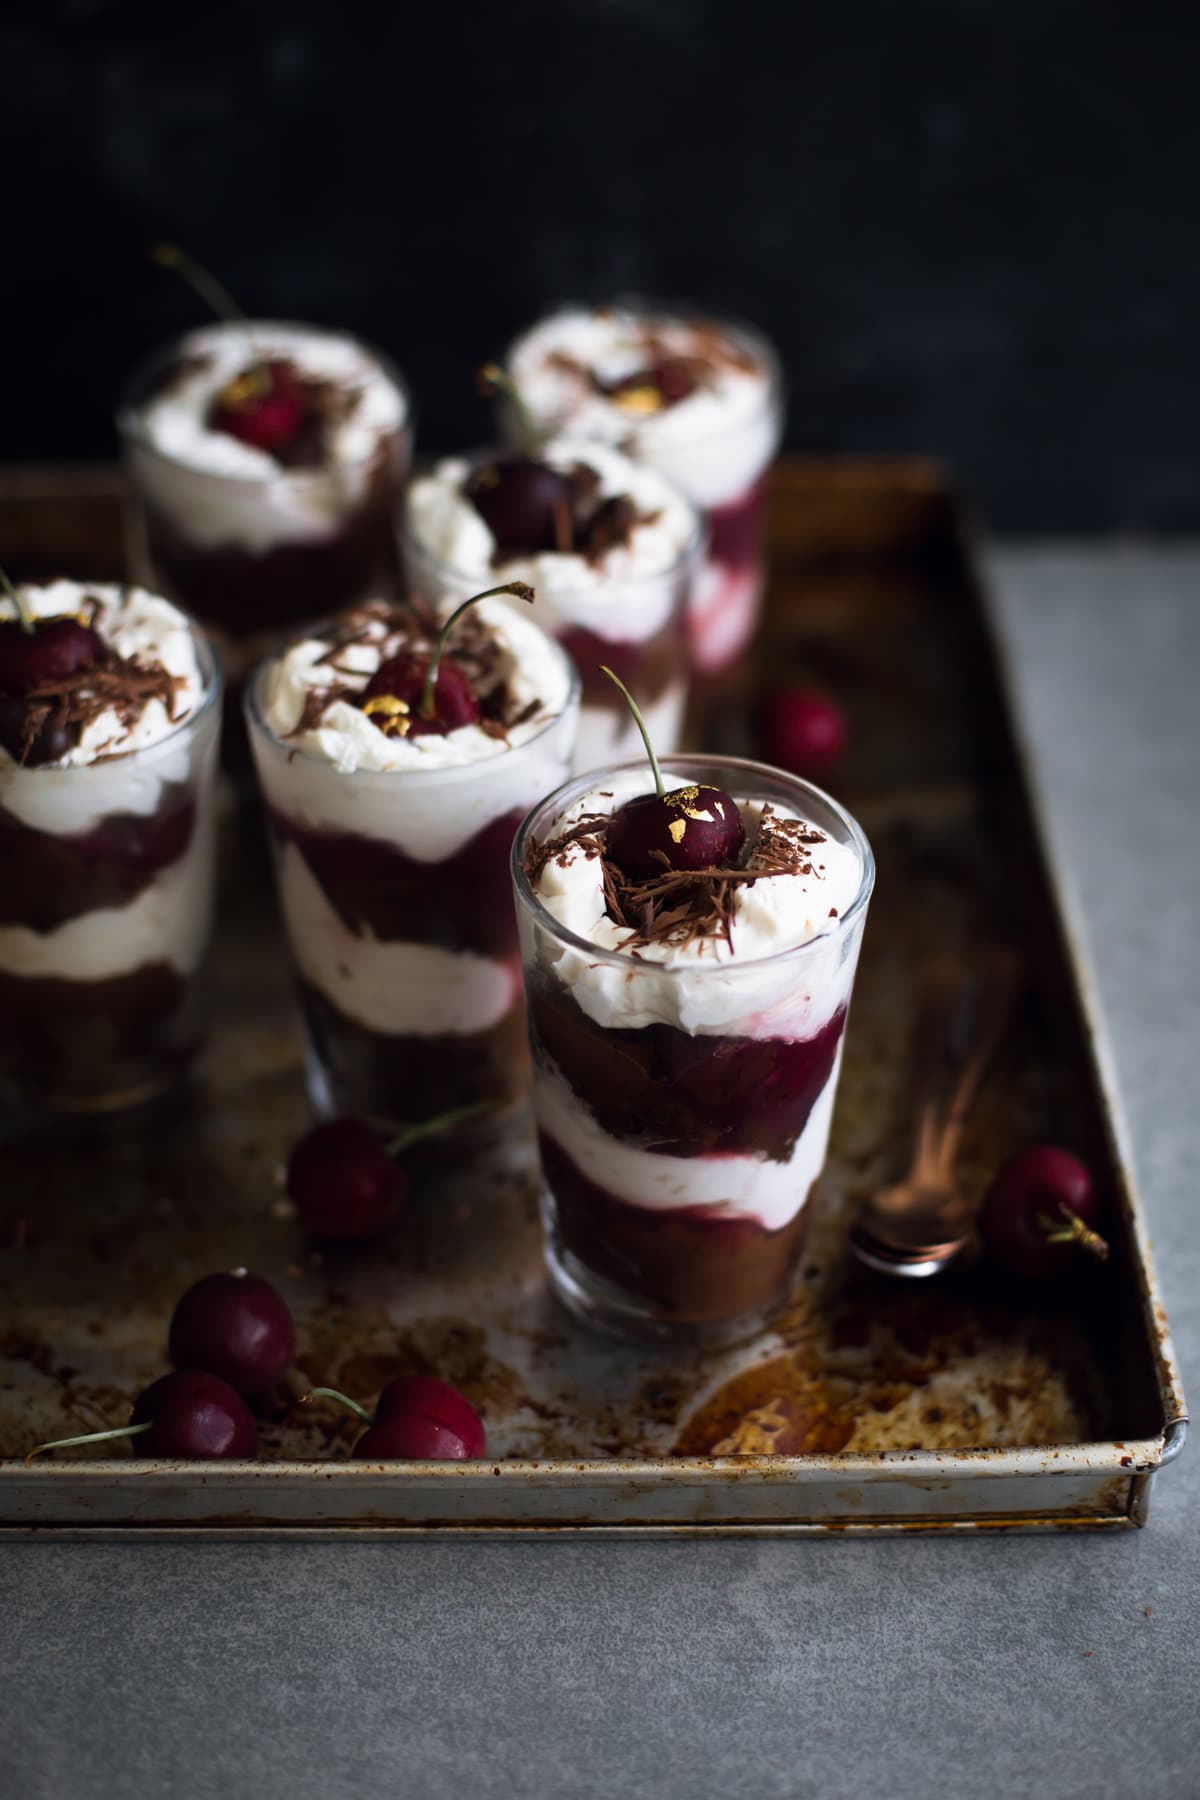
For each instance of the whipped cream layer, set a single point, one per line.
(119, 765)
(418, 990)
(427, 795)
(627, 594)
(167, 922)
(713, 444)
(730, 1187)
(216, 490)
(747, 987)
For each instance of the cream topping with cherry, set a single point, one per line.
(591, 530)
(351, 696)
(91, 672)
(696, 398)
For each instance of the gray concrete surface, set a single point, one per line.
(911, 1668)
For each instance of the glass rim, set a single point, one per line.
(690, 557)
(212, 673)
(128, 414)
(667, 310)
(257, 721)
(684, 762)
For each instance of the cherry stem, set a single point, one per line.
(432, 1127)
(25, 618)
(495, 380)
(1073, 1231)
(323, 1393)
(89, 1437)
(214, 293)
(638, 720)
(427, 706)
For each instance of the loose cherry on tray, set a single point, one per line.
(343, 1180)
(411, 695)
(265, 404)
(417, 1419)
(686, 829)
(190, 1414)
(804, 732)
(236, 1326)
(1040, 1211)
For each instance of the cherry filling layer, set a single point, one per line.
(462, 903)
(649, 667)
(50, 879)
(244, 591)
(96, 1044)
(662, 1089)
(736, 528)
(727, 596)
(688, 1265)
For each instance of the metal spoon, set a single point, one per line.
(921, 1224)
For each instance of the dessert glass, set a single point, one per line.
(251, 553)
(633, 622)
(683, 1107)
(397, 905)
(105, 913)
(716, 453)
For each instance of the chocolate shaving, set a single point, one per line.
(682, 907)
(70, 703)
(411, 627)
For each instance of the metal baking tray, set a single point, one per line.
(962, 1404)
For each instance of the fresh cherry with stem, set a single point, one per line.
(343, 1180)
(412, 695)
(804, 732)
(1040, 1212)
(234, 1325)
(189, 1414)
(417, 1419)
(684, 829)
(526, 505)
(263, 406)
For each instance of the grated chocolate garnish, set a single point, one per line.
(121, 685)
(410, 626)
(682, 907)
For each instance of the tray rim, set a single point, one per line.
(1133, 1460)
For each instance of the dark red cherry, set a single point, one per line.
(419, 1418)
(804, 732)
(403, 677)
(663, 382)
(52, 651)
(236, 1326)
(342, 1182)
(263, 406)
(195, 1415)
(525, 504)
(1040, 1211)
(691, 827)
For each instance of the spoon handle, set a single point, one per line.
(987, 1021)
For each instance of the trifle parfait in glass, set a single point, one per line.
(698, 398)
(265, 464)
(612, 550)
(109, 725)
(396, 761)
(688, 966)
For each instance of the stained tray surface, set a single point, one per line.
(872, 598)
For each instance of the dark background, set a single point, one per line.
(971, 227)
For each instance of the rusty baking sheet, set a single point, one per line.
(962, 1404)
